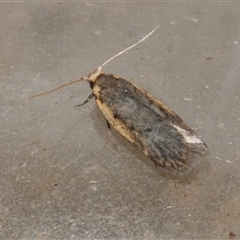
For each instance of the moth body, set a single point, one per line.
(147, 123)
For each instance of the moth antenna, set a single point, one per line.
(98, 69)
(126, 49)
(55, 89)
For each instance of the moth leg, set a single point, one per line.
(88, 99)
(108, 135)
(109, 126)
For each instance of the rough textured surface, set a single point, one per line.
(58, 177)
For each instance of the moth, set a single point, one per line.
(146, 122)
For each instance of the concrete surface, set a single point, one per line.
(57, 178)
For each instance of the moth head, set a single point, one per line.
(92, 77)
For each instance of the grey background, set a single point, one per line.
(58, 177)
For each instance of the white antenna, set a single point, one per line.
(98, 69)
(126, 49)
